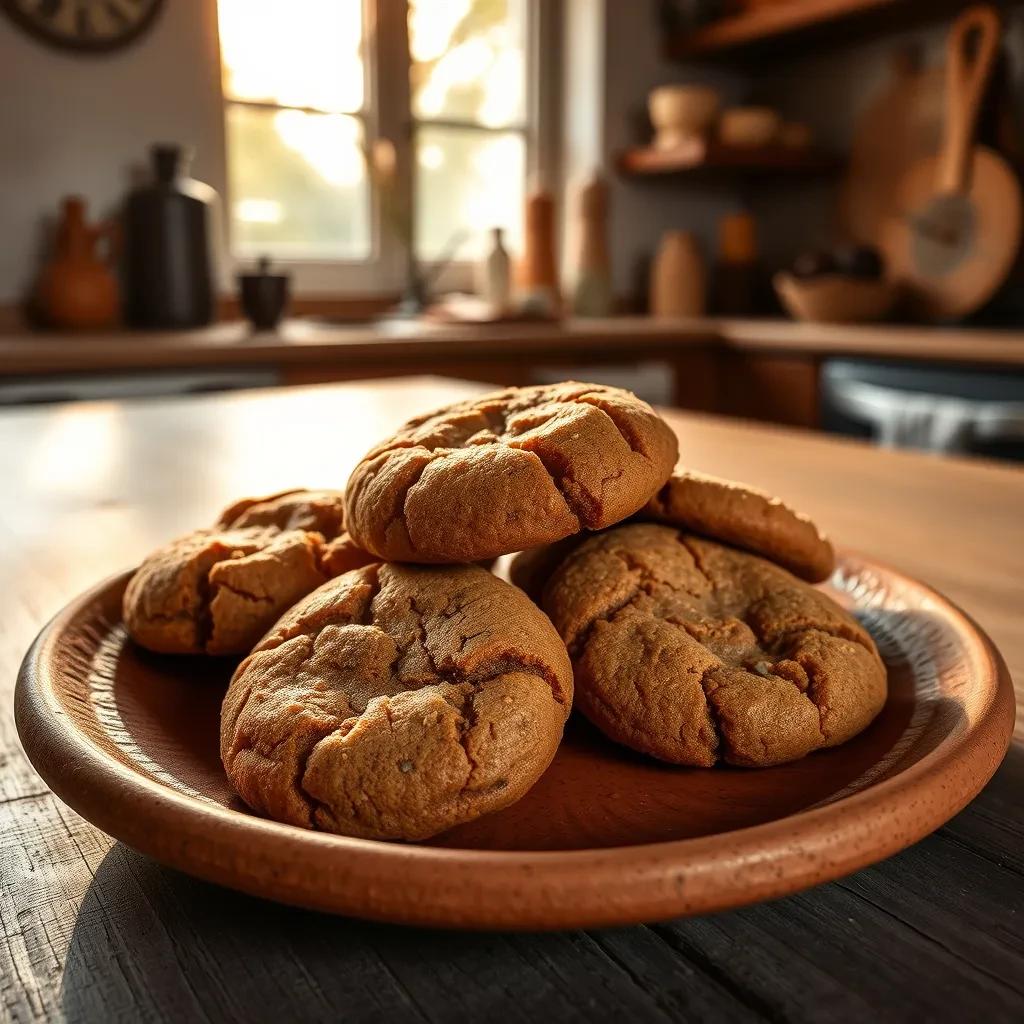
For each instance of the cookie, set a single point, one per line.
(746, 518)
(508, 471)
(397, 701)
(696, 653)
(318, 511)
(217, 591)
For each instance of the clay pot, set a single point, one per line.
(681, 112)
(77, 290)
(263, 296)
(678, 277)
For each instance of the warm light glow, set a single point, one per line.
(77, 450)
(496, 160)
(431, 157)
(431, 23)
(330, 144)
(468, 59)
(259, 211)
(300, 53)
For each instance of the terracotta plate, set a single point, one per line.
(129, 740)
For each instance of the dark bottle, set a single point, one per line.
(168, 268)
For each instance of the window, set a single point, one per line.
(355, 125)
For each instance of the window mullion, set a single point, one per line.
(392, 123)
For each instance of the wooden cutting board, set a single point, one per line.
(955, 235)
(901, 124)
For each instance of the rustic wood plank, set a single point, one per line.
(362, 348)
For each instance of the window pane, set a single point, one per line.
(469, 180)
(469, 60)
(298, 184)
(301, 53)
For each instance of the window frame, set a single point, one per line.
(387, 116)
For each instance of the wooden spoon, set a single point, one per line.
(958, 237)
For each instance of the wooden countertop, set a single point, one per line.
(93, 931)
(308, 341)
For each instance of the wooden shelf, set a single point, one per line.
(773, 22)
(700, 156)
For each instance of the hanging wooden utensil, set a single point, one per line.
(957, 237)
(900, 125)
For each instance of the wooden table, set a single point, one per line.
(94, 931)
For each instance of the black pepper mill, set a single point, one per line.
(168, 267)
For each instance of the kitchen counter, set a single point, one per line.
(304, 342)
(94, 931)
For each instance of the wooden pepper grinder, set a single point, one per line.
(592, 295)
(77, 290)
(538, 276)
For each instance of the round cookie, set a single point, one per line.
(746, 518)
(217, 591)
(397, 701)
(508, 471)
(695, 652)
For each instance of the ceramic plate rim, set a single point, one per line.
(537, 889)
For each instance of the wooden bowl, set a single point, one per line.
(836, 298)
(749, 126)
(681, 112)
(129, 740)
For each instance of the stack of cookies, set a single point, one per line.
(393, 687)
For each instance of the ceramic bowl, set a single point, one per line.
(681, 112)
(836, 298)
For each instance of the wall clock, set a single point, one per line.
(89, 25)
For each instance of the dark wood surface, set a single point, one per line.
(698, 157)
(772, 29)
(95, 932)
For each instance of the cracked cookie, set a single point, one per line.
(217, 591)
(397, 701)
(695, 652)
(318, 511)
(507, 471)
(746, 518)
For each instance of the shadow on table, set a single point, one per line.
(152, 944)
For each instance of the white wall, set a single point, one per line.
(72, 124)
(643, 208)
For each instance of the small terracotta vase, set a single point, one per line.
(77, 290)
(678, 277)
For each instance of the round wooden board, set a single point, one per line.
(129, 740)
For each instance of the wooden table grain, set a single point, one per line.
(95, 932)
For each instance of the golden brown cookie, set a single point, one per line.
(507, 471)
(695, 652)
(217, 591)
(397, 701)
(319, 511)
(746, 518)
